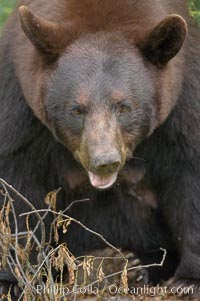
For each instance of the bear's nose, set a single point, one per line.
(107, 163)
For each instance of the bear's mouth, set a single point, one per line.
(102, 182)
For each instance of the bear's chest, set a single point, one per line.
(125, 215)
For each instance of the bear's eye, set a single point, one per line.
(78, 111)
(123, 108)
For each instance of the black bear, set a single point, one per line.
(96, 96)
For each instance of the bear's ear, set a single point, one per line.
(165, 40)
(48, 37)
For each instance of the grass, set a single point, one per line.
(90, 278)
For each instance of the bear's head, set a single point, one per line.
(105, 92)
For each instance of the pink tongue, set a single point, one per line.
(102, 182)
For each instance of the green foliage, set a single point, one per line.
(6, 7)
(195, 9)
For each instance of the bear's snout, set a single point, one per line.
(107, 163)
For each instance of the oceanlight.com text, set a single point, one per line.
(116, 290)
